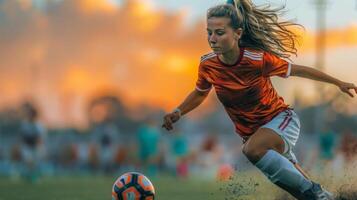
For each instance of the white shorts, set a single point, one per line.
(287, 125)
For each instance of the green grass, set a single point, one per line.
(245, 186)
(99, 187)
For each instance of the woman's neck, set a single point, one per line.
(230, 57)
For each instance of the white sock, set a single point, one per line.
(279, 169)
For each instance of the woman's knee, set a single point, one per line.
(254, 153)
(259, 144)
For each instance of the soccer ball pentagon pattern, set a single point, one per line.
(133, 186)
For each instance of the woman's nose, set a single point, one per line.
(212, 38)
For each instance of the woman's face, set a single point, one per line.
(222, 38)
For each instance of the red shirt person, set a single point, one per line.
(245, 88)
(248, 43)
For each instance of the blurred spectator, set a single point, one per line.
(105, 135)
(180, 154)
(323, 156)
(33, 137)
(349, 146)
(148, 138)
(93, 156)
(344, 160)
(209, 157)
(121, 157)
(327, 145)
(69, 155)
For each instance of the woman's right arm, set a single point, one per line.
(194, 99)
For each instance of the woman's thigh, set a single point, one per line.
(260, 142)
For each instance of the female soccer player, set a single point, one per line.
(249, 44)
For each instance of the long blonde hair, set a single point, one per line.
(261, 28)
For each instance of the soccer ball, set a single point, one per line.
(133, 186)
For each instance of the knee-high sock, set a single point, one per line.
(283, 173)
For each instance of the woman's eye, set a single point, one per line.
(220, 33)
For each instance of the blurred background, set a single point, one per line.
(84, 85)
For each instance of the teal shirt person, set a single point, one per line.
(327, 144)
(148, 139)
(179, 145)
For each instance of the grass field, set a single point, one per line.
(243, 187)
(99, 187)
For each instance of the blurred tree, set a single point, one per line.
(109, 109)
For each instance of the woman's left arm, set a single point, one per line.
(311, 73)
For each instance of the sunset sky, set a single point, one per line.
(61, 53)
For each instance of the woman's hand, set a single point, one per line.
(194, 99)
(346, 87)
(170, 119)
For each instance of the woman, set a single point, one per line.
(248, 45)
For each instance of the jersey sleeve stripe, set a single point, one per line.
(208, 56)
(253, 53)
(203, 90)
(253, 58)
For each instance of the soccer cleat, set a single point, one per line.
(317, 193)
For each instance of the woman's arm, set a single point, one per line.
(311, 73)
(194, 99)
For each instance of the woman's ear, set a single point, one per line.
(238, 33)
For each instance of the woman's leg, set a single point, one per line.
(298, 167)
(264, 149)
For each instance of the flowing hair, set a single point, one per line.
(261, 26)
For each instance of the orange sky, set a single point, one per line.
(81, 48)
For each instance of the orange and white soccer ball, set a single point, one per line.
(133, 186)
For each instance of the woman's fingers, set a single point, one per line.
(167, 122)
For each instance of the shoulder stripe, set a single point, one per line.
(257, 57)
(253, 57)
(253, 53)
(208, 56)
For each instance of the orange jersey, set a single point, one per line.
(245, 88)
